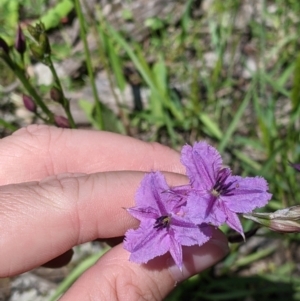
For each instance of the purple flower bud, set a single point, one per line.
(61, 121)
(29, 103)
(56, 95)
(295, 165)
(3, 46)
(20, 43)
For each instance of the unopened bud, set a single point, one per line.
(61, 121)
(36, 51)
(20, 43)
(40, 48)
(3, 46)
(295, 166)
(56, 95)
(283, 221)
(36, 31)
(285, 226)
(29, 103)
(44, 43)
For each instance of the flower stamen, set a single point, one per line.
(220, 188)
(162, 222)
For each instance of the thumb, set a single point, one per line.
(114, 278)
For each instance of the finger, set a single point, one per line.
(42, 220)
(113, 277)
(38, 151)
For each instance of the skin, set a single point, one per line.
(60, 188)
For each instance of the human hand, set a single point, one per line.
(61, 188)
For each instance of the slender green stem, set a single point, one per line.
(89, 63)
(30, 89)
(66, 103)
(75, 273)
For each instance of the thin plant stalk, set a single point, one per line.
(89, 63)
(30, 89)
(66, 103)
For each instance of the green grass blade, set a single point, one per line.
(75, 274)
(295, 94)
(235, 122)
(7, 125)
(211, 127)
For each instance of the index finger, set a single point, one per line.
(38, 151)
(42, 220)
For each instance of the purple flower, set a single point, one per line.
(164, 226)
(217, 196)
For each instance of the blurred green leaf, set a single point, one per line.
(154, 23)
(211, 126)
(52, 18)
(7, 125)
(9, 17)
(295, 94)
(110, 120)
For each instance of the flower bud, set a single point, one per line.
(29, 103)
(283, 221)
(3, 46)
(295, 166)
(40, 48)
(35, 31)
(36, 51)
(285, 226)
(61, 121)
(20, 43)
(44, 44)
(56, 95)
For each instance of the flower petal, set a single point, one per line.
(197, 206)
(175, 250)
(141, 243)
(143, 212)
(189, 234)
(153, 192)
(202, 162)
(233, 221)
(250, 193)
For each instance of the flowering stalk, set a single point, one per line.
(41, 49)
(65, 102)
(20, 74)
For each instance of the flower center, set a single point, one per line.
(222, 188)
(162, 222)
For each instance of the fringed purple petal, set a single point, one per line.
(202, 162)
